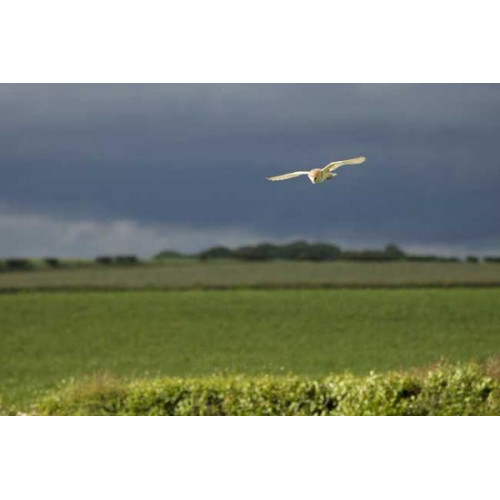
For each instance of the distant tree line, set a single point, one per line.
(21, 264)
(298, 250)
(107, 260)
(15, 264)
(302, 250)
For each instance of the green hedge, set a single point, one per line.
(461, 389)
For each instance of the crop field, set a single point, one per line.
(191, 273)
(47, 337)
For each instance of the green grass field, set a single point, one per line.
(45, 337)
(191, 273)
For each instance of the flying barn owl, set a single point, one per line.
(317, 175)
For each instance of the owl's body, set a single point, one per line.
(317, 175)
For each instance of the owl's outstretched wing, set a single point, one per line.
(336, 164)
(284, 177)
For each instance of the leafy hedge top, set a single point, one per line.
(461, 389)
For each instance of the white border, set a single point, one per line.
(258, 41)
(248, 458)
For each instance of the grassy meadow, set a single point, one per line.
(220, 273)
(47, 337)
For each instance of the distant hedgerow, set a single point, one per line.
(52, 261)
(104, 260)
(492, 259)
(17, 264)
(126, 259)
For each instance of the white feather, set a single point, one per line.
(283, 177)
(336, 164)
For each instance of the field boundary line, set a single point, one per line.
(263, 286)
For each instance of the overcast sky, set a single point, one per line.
(93, 169)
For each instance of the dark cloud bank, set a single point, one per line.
(86, 169)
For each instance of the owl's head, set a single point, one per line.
(314, 175)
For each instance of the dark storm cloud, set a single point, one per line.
(196, 156)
